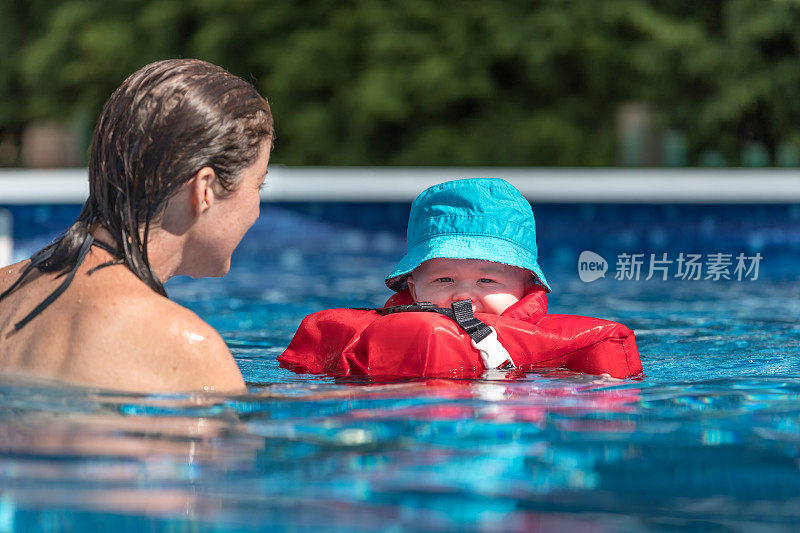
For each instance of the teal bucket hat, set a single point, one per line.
(481, 218)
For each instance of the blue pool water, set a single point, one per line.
(707, 440)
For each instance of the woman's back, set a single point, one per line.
(110, 330)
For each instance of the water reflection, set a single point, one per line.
(488, 455)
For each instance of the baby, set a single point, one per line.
(470, 239)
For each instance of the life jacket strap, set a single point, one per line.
(416, 306)
(462, 314)
(484, 338)
(493, 353)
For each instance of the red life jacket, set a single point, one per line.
(350, 342)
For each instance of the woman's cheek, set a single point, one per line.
(257, 202)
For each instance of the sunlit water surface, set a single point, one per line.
(707, 440)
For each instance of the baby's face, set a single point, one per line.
(492, 287)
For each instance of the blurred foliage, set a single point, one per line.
(423, 82)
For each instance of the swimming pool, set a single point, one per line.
(707, 440)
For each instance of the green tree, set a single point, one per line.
(421, 82)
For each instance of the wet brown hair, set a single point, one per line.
(164, 123)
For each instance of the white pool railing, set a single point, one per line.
(6, 238)
(373, 184)
(402, 184)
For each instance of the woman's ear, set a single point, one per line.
(201, 190)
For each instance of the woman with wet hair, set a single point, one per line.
(177, 159)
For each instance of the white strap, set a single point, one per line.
(493, 353)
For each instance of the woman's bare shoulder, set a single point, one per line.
(175, 349)
(193, 353)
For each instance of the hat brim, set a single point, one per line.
(461, 246)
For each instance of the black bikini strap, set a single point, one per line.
(87, 244)
(37, 259)
(19, 280)
(118, 258)
(107, 247)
